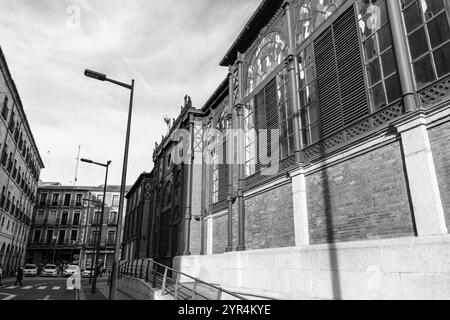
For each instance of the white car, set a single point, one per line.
(87, 272)
(71, 270)
(30, 270)
(50, 270)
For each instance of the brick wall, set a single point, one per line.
(220, 233)
(362, 198)
(440, 145)
(270, 219)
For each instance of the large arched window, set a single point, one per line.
(270, 53)
(312, 14)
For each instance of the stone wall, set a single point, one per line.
(440, 145)
(401, 268)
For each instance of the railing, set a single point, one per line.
(178, 284)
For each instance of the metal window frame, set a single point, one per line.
(430, 51)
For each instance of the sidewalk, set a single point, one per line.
(102, 292)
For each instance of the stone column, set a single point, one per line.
(239, 108)
(189, 184)
(301, 225)
(425, 195)
(230, 162)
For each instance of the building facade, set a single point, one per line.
(322, 159)
(67, 224)
(138, 219)
(20, 169)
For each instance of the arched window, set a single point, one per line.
(270, 53)
(312, 14)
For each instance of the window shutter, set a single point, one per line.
(340, 78)
(327, 83)
(223, 174)
(260, 124)
(350, 69)
(272, 114)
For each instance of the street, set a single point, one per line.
(37, 289)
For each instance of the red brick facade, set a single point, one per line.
(363, 198)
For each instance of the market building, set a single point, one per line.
(319, 168)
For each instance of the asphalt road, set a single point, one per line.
(37, 288)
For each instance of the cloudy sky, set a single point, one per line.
(171, 48)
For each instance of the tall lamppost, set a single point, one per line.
(114, 275)
(86, 231)
(99, 235)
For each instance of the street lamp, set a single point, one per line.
(99, 235)
(114, 275)
(85, 233)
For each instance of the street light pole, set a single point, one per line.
(114, 275)
(99, 235)
(115, 269)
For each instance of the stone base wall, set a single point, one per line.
(403, 268)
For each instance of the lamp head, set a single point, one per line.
(95, 75)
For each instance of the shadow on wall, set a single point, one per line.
(333, 256)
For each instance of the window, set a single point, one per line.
(250, 135)
(43, 199)
(428, 31)
(65, 217)
(94, 237)
(78, 199)
(67, 199)
(61, 236)
(115, 201)
(100, 198)
(379, 58)
(76, 218)
(266, 120)
(270, 53)
(215, 176)
(49, 237)
(5, 108)
(111, 237)
(308, 97)
(73, 235)
(51, 217)
(312, 14)
(332, 87)
(55, 199)
(112, 217)
(285, 111)
(40, 217)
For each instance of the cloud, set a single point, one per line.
(171, 48)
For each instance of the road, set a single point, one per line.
(37, 288)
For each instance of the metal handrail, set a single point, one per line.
(130, 268)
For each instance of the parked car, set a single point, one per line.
(70, 270)
(87, 272)
(30, 270)
(50, 270)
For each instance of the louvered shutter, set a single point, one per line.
(223, 173)
(260, 125)
(272, 115)
(350, 69)
(340, 79)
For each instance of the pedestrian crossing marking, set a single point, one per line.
(11, 287)
(56, 288)
(27, 288)
(42, 288)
